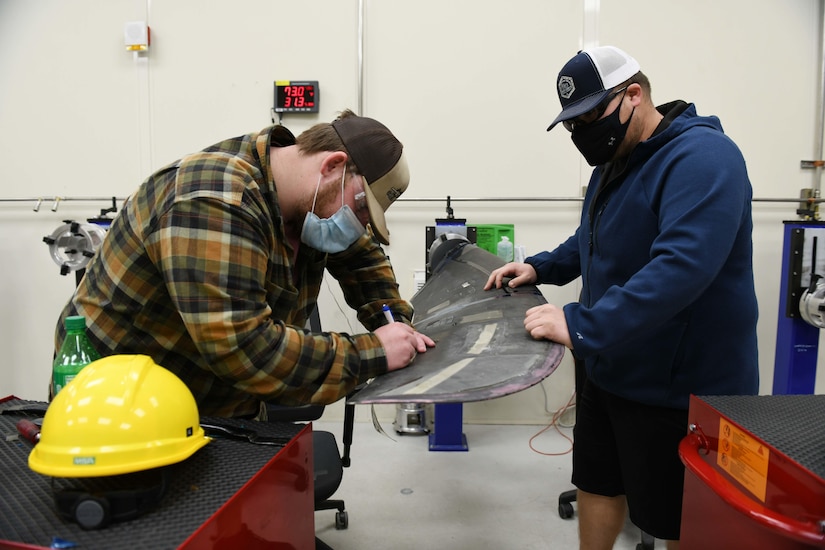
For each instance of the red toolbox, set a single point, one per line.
(229, 494)
(754, 473)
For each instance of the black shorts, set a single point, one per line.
(627, 448)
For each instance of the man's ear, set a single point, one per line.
(635, 92)
(335, 161)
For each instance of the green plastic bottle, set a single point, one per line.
(75, 353)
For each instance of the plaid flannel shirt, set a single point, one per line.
(196, 272)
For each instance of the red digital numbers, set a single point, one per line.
(298, 96)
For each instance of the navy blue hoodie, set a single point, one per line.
(664, 249)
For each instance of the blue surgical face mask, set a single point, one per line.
(333, 234)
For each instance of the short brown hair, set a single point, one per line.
(641, 79)
(322, 137)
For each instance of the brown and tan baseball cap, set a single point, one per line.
(379, 157)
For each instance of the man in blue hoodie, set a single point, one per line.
(668, 306)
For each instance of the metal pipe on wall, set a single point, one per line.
(568, 199)
(819, 145)
(57, 200)
(361, 9)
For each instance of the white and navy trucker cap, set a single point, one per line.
(588, 78)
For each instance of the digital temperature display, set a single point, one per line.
(296, 97)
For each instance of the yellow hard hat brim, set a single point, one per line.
(120, 414)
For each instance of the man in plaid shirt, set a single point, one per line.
(215, 263)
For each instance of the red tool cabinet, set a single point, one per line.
(229, 494)
(754, 473)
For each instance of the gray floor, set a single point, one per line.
(500, 494)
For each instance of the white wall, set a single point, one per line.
(468, 86)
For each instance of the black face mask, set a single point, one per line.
(599, 140)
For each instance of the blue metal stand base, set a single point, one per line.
(797, 346)
(446, 434)
(797, 342)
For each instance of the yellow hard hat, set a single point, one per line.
(120, 414)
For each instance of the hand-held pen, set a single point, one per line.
(388, 314)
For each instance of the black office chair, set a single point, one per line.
(567, 498)
(328, 462)
(329, 468)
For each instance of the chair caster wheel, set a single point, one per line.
(648, 542)
(341, 520)
(565, 510)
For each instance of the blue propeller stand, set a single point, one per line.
(797, 341)
(447, 434)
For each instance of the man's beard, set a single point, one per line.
(327, 195)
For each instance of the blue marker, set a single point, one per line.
(388, 314)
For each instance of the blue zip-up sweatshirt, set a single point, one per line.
(668, 306)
